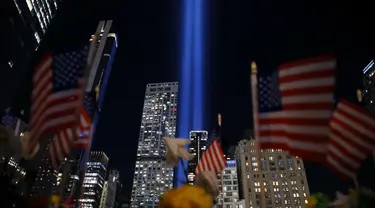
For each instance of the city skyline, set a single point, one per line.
(240, 34)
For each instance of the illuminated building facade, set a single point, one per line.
(93, 183)
(228, 186)
(26, 23)
(198, 144)
(113, 188)
(152, 177)
(46, 179)
(369, 86)
(283, 176)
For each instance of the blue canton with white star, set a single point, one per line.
(67, 68)
(9, 121)
(269, 94)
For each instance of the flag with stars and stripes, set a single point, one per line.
(295, 106)
(65, 140)
(213, 158)
(352, 139)
(57, 87)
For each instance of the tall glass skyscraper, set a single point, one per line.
(24, 23)
(94, 180)
(198, 144)
(152, 177)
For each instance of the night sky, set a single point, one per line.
(269, 32)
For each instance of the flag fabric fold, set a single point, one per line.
(352, 139)
(295, 106)
(66, 140)
(56, 91)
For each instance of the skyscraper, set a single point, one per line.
(198, 144)
(228, 186)
(94, 180)
(25, 23)
(283, 176)
(369, 86)
(113, 188)
(152, 177)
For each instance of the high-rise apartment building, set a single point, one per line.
(198, 144)
(25, 23)
(369, 86)
(94, 180)
(228, 186)
(283, 176)
(152, 177)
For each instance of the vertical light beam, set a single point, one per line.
(198, 65)
(191, 77)
(185, 102)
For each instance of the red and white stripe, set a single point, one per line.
(212, 159)
(352, 139)
(50, 112)
(65, 140)
(301, 127)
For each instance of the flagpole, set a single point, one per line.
(254, 95)
(67, 168)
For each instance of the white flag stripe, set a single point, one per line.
(312, 67)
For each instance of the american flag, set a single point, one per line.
(213, 158)
(352, 139)
(56, 91)
(65, 140)
(295, 105)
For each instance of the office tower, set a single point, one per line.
(198, 144)
(93, 183)
(152, 177)
(103, 60)
(283, 176)
(74, 163)
(25, 23)
(113, 188)
(228, 186)
(369, 86)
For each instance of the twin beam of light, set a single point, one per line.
(191, 76)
